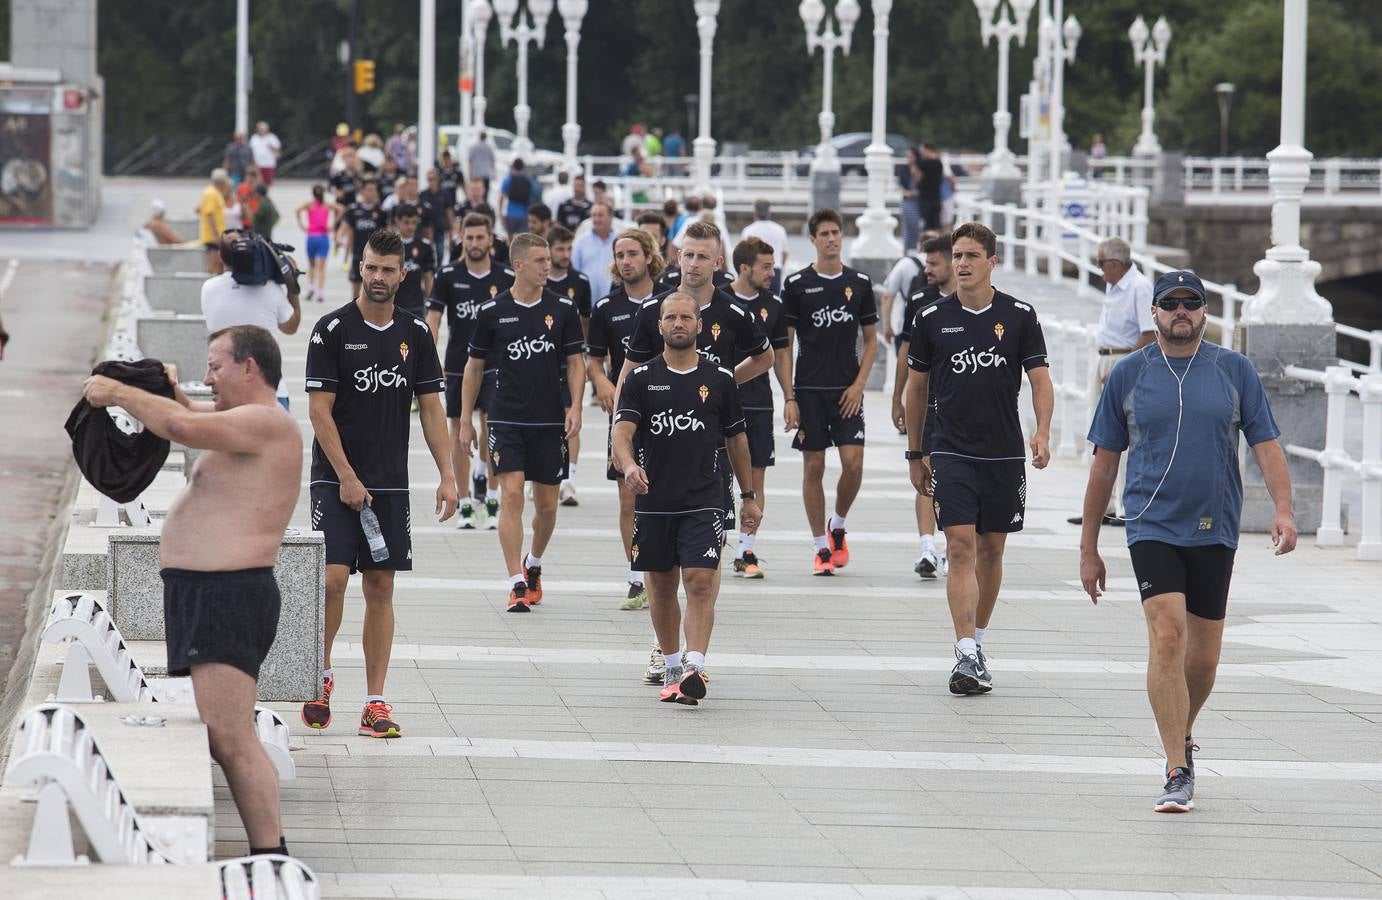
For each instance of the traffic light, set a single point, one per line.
(364, 76)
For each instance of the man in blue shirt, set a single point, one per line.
(1178, 407)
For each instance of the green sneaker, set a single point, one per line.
(637, 598)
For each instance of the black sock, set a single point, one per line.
(281, 849)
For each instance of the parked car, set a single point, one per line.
(851, 145)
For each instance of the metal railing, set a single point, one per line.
(1339, 382)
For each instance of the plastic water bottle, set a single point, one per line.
(378, 550)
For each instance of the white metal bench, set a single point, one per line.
(93, 639)
(266, 877)
(56, 753)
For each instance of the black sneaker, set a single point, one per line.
(969, 676)
(479, 486)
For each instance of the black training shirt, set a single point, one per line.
(826, 312)
(682, 419)
(363, 221)
(574, 286)
(571, 213)
(418, 259)
(527, 347)
(461, 293)
(611, 324)
(757, 392)
(728, 334)
(975, 360)
(374, 373)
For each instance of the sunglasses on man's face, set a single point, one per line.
(1171, 304)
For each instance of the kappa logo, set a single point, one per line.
(703, 392)
(1144, 585)
(712, 553)
(357, 346)
(317, 339)
(860, 435)
(953, 329)
(1017, 519)
(403, 350)
(998, 330)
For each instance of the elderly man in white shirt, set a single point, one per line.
(1125, 325)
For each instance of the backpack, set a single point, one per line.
(520, 188)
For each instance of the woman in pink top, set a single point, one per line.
(319, 214)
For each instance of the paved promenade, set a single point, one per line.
(829, 753)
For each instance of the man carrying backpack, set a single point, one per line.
(516, 193)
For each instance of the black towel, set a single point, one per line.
(119, 465)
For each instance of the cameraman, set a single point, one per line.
(227, 301)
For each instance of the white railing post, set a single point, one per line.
(1067, 448)
(1230, 315)
(1370, 391)
(1338, 381)
(1375, 351)
(1010, 237)
(1083, 252)
(1029, 238)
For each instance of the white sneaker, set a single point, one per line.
(657, 667)
(945, 566)
(491, 515)
(465, 519)
(566, 494)
(927, 564)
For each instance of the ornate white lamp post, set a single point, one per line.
(1149, 53)
(877, 239)
(572, 12)
(704, 145)
(513, 26)
(846, 14)
(1062, 51)
(1003, 29)
(479, 14)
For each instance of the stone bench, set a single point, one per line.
(292, 672)
(179, 292)
(185, 229)
(135, 777)
(174, 260)
(178, 339)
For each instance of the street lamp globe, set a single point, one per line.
(985, 8)
(1137, 33)
(505, 9)
(1072, 32)
(541, 11)
(812, 12)
(1022, 9)
(480, 14)
(1161, 34)
(847, 14)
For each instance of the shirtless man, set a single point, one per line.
(219, 545)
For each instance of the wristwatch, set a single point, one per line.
(749, 495)
(913, 454)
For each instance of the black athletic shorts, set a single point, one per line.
(689, 540)
(538, 452)
(991, 496)
(726, 483)
(1201, 573)
(219, 617)
(453, 394)
(822, 425)
(345, 538)
(759, 428)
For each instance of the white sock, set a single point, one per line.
(928, 542)
(375, 698)
(746, 542)
(822, 542)
(533, 562)
(492, 493)
(836, 522)
(695, 659)
(635, 577)
(979, 636)
(571, 472)
(326, 673)
(481, 467)
(966, 646)
(673, 659)
(516, 580)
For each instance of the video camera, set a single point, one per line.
(254, 260)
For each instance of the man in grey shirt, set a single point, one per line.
(480, 160)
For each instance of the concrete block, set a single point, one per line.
(292, 670)
(178, 260)
(185, 229)
(177, 292)
(180, 340)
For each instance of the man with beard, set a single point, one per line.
(469, 281)
(637, 264)
(365, 363)
(753, 262)
(975, 344)
(1184, 500)
(526, 334)
(680, 407)
(219, 545)
(940, 277)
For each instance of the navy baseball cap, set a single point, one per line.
(1178, 280)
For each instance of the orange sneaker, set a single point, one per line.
(375, 721)
(534, 576)
(839, 548)
(518, 598)
(821, 564)
(317, 713)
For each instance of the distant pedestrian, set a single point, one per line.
(480, 161)
(156, 229)
(516, 193)
(236, 158)
(371, 155)
(398, 150)
(265, 213)
(632, 141)
(560, 192)
(539, 219)
(593, 252)
(247, 199)
(211, 219)
(909, 179)
(929, 187)
(265, 146)
(652, 143)
(316, 218)
(574, 210)
(674, 145)
(771, 233)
